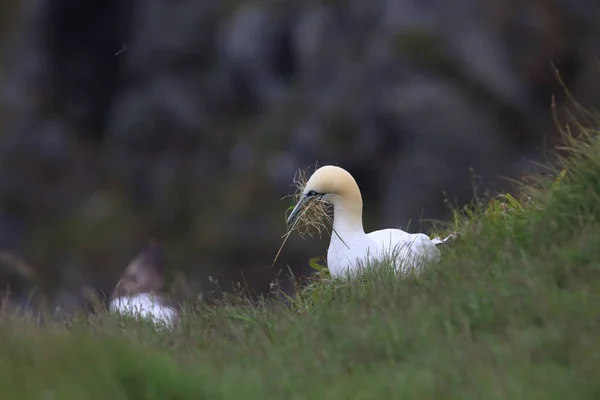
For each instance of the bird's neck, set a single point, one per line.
(347, 215)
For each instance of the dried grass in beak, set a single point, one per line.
(314, 218)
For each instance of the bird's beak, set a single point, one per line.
(296, 211)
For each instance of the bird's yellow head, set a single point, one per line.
(331, 184)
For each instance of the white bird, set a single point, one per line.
(137, 293)
(350, 247)
(146, 306)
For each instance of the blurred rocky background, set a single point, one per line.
(185, 121)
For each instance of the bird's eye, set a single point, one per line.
(311, 193)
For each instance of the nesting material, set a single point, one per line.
(314, 220)
(316, 217)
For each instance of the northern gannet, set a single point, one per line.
(350, 247)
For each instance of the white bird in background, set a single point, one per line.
(350, 247)
(137, 293)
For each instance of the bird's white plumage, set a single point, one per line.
(348, 250)
(350, 247)
(144, 305)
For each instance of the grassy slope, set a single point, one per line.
(512, 312)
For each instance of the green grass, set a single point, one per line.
(511, 312)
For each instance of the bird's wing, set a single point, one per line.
(415, 243)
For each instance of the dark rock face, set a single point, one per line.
(185, 120)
